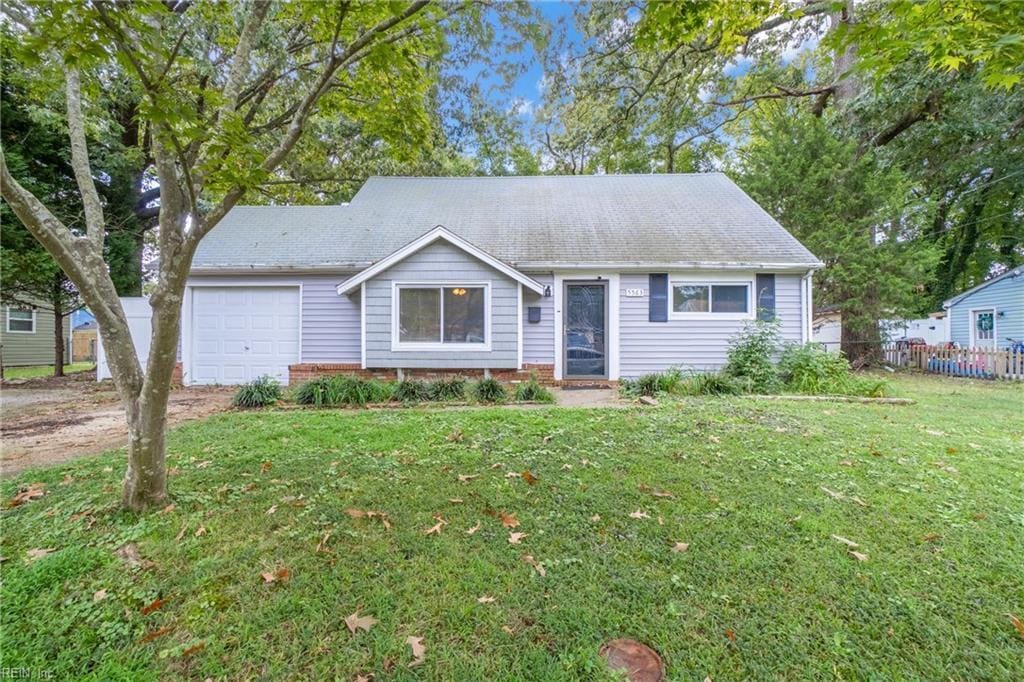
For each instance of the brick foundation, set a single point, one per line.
(305, 371)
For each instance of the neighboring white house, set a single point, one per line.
(569, 278)
(827, 329)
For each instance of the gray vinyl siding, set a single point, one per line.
(330, 323)
(539, 337)
(442, 262)
(1006, 296)
(690, 344)
(21, 349)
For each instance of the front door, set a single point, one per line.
(585, 330)
(983, 329)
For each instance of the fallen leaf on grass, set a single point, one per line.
(322, 545)
(265, 466)
(67, 480)
(99, 595)
(473, 529)
(129, 553)
(271, 510)
(419, 650)
(546, 439)
(930, 537)
(515, 538)
(512, 474)
(154, 605)
(203, 465)
(595, 518)
(537, 566)
(846, 541)
(846, 462)
(436, 529)
(566, 466)
(1017, 623)
(486, 599)
(529, 477)
(680, 547)
(357, 622)
(639, 514)
(730, 634)
(168, 509)
(281, 575)
(858, 556)
(455, 436)
(181, 533)
(507, 630)
(466, 478)
(455, 500)
(508, 520)
(195, 649)
(364, 678)
(159, 632)
(497, 465)
(34, 554)
(200, 531)
(32, 492)
(833, 494)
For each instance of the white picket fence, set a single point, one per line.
(978, 363)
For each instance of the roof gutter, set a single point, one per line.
(327, 269)
(649, 266)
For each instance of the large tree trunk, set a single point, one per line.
(58, 341)
(861, 346)
(145, 481)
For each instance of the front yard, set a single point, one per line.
(931, 494)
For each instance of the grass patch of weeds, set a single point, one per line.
(930, 493)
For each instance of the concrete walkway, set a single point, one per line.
(596, 397)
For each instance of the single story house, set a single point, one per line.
(991, 315)
(570, 278)
(27, 336)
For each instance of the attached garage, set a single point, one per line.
(239, 333)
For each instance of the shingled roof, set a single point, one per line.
(538, 221)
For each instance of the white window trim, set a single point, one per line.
(21, 310)
(710, 282)
(400, 346)
(972, 328)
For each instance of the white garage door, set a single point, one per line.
(240, 333)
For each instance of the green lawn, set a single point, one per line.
(44, 370)
(933, 494)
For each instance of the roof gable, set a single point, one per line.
(438, 233)
(1011, 273)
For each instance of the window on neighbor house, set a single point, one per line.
(699, 298)
(23, 321)
(442, 315)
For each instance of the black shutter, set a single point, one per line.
(765, 297)
(658, 311)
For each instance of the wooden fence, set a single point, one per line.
(977, 363)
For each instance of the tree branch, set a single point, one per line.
(927, 109)
(94, 223)
(783, 93)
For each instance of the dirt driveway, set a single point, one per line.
(50, 420)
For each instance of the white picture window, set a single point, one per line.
(712, 299)
(441, 315)
(21, 321)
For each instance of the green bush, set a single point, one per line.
(532, 391)
(813, 370)
(448, 389)
(260, 392)
(411, 391)
(712, 383)
(489, 391)
(751, 353)
(670, 381)
(342, 390)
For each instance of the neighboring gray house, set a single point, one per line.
(27, 336)
(991, 315)
(580, 277)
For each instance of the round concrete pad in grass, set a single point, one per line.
(640, 662)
